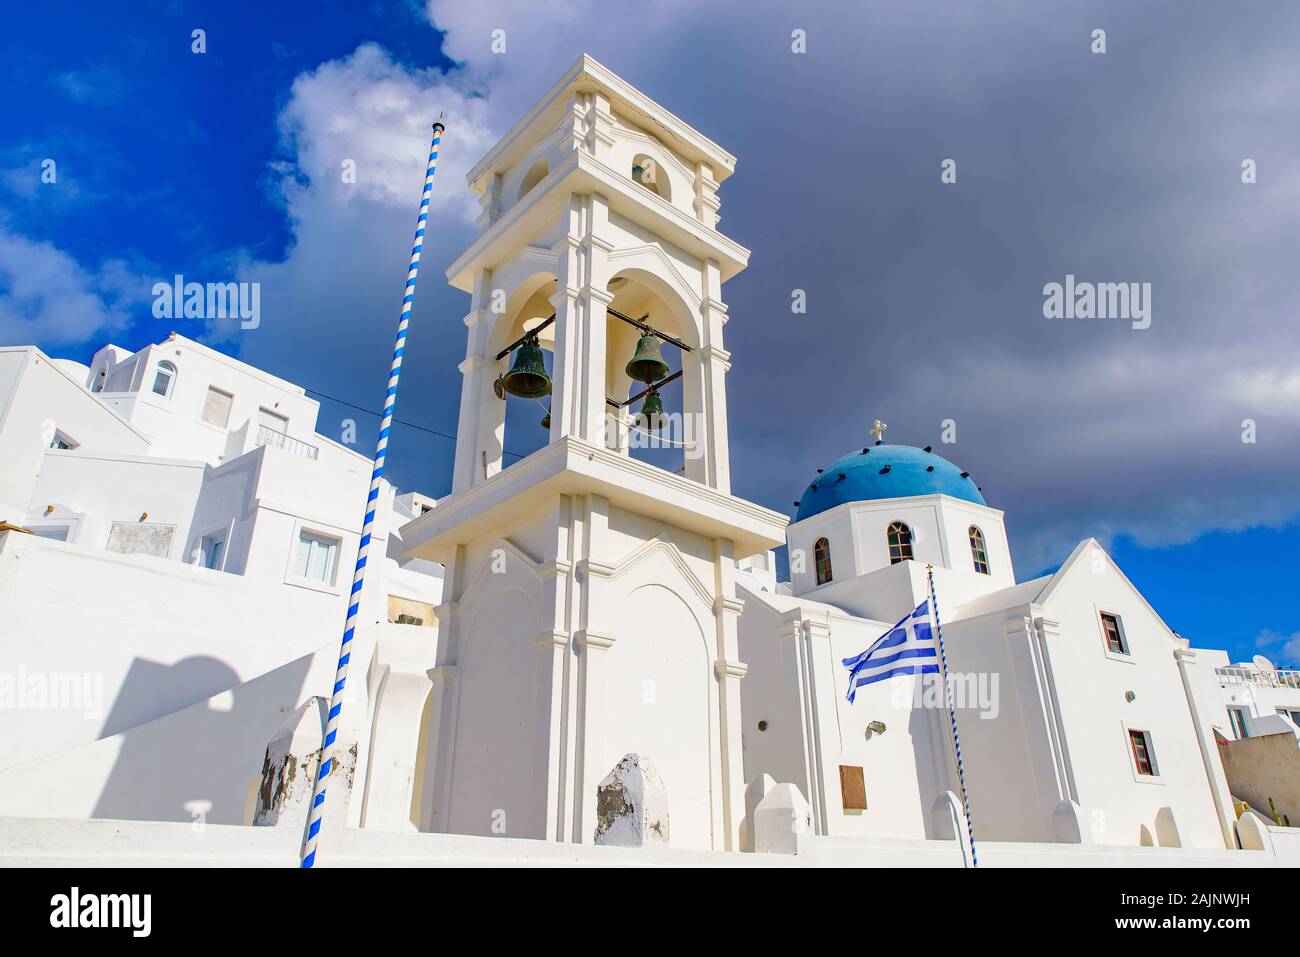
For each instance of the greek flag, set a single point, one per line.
(906, 649)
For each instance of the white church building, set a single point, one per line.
(583, 657)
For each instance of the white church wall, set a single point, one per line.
(660, 696)
(902, 767)
(858, 535)
(1092, 684)
(886, 594)
(627, 236)
(675, 179)
(1013, 780)
(957, 517)
(494, 774)
(628, 531)
(770, 693)
(797, 683)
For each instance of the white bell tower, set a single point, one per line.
(589, 607)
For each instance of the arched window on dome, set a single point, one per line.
(900, 543)
(978, 553)
(822, 560)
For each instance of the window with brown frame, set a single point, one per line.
(900, 543)
(1143, 754)
(822, 560)
(1114, 633)
(978, 553)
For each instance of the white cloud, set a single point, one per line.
(345, 266)
(1283, 649)
(368, 109)
(528, 27)
(48, 298)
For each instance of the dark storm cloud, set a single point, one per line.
(924, 300)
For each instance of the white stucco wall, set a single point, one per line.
(1091, 687)
(175, 421)
(857, 533)
(36, 397)
(155, 635)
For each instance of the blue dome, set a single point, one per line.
(884, 471)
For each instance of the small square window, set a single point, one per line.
(1114, 633)
(316, 558)
(1144, 756)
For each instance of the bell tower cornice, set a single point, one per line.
(587, 75)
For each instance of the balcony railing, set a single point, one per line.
(269, 436)
(1285, 678)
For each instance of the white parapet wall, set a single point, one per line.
(97, 843)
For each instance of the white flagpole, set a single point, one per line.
(952, 715)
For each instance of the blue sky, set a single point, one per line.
(925, 299)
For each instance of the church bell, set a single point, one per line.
(546, 420)
(527, 378)
(652, 412)
(647, 365)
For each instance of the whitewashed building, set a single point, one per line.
(190, 531)
(613, 659)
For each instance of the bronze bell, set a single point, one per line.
(648, 364)
(527, 378)
(546, 420)
(652, 412)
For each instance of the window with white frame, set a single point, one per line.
(164, 378)
(900, 542)
(316, 557)
(1112, 629)
(1144, 755)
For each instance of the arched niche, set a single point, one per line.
(657, 704)
(497, 776)
(536, 173)
(659, 302)
(515, 422)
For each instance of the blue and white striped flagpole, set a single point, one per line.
(952, 717)
(359, 575)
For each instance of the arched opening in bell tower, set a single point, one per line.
(522, 423)
(674, 440)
